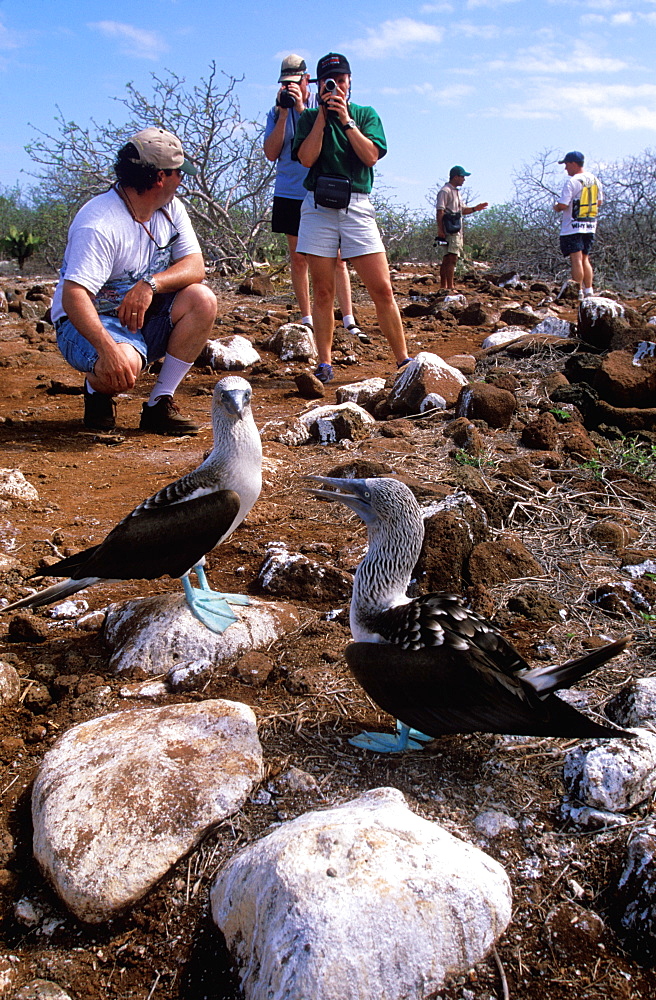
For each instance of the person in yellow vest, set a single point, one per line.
(580, 201)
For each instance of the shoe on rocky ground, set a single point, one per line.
(357, 332)
(324, 373)
(406, 361)
(99, 411)
(165, 418)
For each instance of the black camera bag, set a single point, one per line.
(452, 222)
(332, 191)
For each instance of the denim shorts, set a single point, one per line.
(575, 243)
(150, 341)
(352, 230)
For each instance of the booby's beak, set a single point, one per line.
(354, 493)
(235, 401)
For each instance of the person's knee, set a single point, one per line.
(198, 299)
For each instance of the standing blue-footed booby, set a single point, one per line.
(443, 668)
(171, 531)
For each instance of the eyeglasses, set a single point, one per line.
(166, 245)
(126, 201)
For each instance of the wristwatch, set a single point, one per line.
(151, 281)
(351, 123)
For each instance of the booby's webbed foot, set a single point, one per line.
(389, 742)
(239, 599)
(414, 734)
(210, 608)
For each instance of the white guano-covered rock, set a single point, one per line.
(9, 685)
(634, 704)
(14, 486)
(360, 902)
(612, 775)
(359, 392)
(426, 375)
(230, 354)
(505, 336)
(293, 342)
(120, 799)
(329, 424)
(156, 634)
(553, 326)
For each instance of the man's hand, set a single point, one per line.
(133, 308)
(337, 103)
(113, 369)
(295, 91)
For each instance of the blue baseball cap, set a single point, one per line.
(573, 157)
(458, 172)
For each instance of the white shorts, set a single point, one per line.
(324, 231)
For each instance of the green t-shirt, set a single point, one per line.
(337, 155)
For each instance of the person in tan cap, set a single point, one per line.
(292, 99)
(131, 286)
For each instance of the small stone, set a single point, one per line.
(254, 668)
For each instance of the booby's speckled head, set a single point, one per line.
(385, 500)
(233, 394)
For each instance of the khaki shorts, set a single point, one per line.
(324, 231)
(455, 245)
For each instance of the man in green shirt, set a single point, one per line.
(347, 140)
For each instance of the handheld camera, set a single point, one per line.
(285, 99)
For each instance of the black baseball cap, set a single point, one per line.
(332, 63)
(573, 157)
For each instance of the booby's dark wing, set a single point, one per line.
(439, 691)
(156, 541)
(441, 621)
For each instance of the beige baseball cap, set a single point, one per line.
(292, 70)
(162, 149)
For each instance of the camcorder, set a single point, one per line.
(329, 89)
(285, 99)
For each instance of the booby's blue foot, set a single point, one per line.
(240, 599)
(210, 608)
(414, 734)
(388, 742)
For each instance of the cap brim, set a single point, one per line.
(294, 78)
(188, 168)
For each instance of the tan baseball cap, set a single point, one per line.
(292, 70)
(162, 149)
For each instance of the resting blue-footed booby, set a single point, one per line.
(442, 668)
(171, 531)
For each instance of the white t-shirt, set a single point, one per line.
(108, 251)
(580, 216)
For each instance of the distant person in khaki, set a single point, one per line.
(450, 210)
(579, 202)
(131, 287)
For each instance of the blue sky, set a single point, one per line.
(483, 83)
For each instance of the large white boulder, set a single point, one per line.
(157, 634)
(363, 901)
(120, 799)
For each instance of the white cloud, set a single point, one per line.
(8, 39)
(476, 30)
(436, 8)
(133, 41)
(618, 106)
(473, 4)
(445, 96)
(395, 38)
(558, 60)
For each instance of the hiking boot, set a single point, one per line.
(99, 411)
(324, 373)
(165, 418)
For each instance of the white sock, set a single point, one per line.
(306, 320)
(172, 373)
(348, 321)
(587, 291)
(90, 389)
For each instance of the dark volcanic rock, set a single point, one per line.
(497, 562)
(485, 402)
(529, 602)
(541, 433)
(449, 538)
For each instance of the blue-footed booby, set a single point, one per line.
(171, 532)
(443, 668)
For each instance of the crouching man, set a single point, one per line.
(131, 288)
